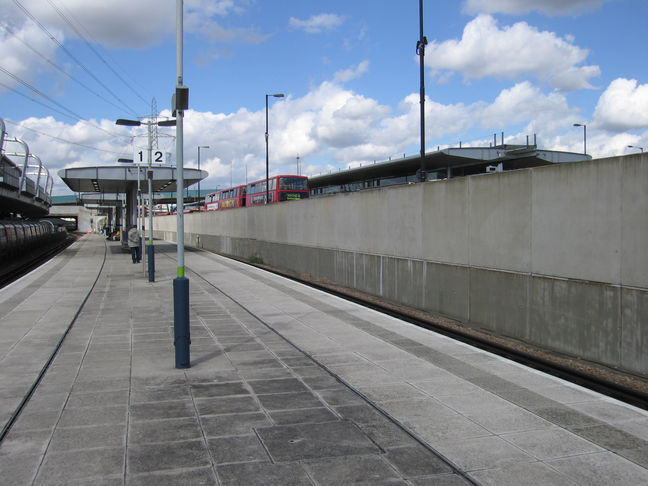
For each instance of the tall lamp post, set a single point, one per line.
(584, 136)
(180, 102)
(150, 249)
(199, 147)
(267, 189)
(420, 50)
(635, 147)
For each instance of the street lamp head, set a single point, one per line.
(166, 123)
(203, 146)
(128, 123)
(278, 95)
(578, 125)
(125, 161)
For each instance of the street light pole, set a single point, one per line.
(181, 325)
(150, 250)
(584, 136)
(635, 147)
(267, 181)
(420, 50)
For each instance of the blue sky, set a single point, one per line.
(348, 69)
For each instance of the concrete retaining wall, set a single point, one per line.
(554, 256)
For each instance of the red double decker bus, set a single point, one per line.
(234, 197)
(279, 188)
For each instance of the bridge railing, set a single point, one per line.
(30, 178)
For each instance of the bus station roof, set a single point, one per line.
(119, 179)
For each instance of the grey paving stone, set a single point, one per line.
(170, 430)
(455, 427)
(416, 461)
(25, 442)
(233, 424)
(203, 390)
(566, 417)
(311, 441)
(192, 477)
(610, 437)
(242, 448)
(67, 467)
(289, 401)
(482, 452)
(29, 420)
(283, 385)
(601, 469)
(340, 396)
(535, 473)
(98, 399)
(638, 455)
(551, 444)
(173, 455)
(74, 438)
(443, 480)
(350, 470)
(264, 374)
(360, 414)
(263, 474)
(387, 435)
(160, 394)
(162, 410)
(322, 382)
(226, 405)
(304, 416)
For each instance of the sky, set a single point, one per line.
(348, 70)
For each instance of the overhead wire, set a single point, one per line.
(72, 56)
(69, 22)
(58, 68)
(62, 139)
(69, 114)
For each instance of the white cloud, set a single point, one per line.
(623, 106)
(351, 73)
(331, 127)
(551, 7)
(21, 60)
(317, 23)
(485, 50)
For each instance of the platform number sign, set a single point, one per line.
(157, 156)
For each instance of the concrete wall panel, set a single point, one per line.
(447, 288)
(500, 220)
(634, 330)
(499, 302)
(445, 231)
(579, 318)
(634, 222)
(576, 219)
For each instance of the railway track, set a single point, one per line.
(14, 269)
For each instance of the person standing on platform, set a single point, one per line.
(134, 244)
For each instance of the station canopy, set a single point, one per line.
(119, 179)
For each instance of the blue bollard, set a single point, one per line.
(181, 333)
(150, 252)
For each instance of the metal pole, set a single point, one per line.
(150, 249)
(585, 139)
(180, 283)
(266, 142)
(420, 50)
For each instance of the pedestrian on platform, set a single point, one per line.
(134, 244)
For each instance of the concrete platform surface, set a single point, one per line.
(288, 386)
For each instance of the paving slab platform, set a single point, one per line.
(288, 386)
